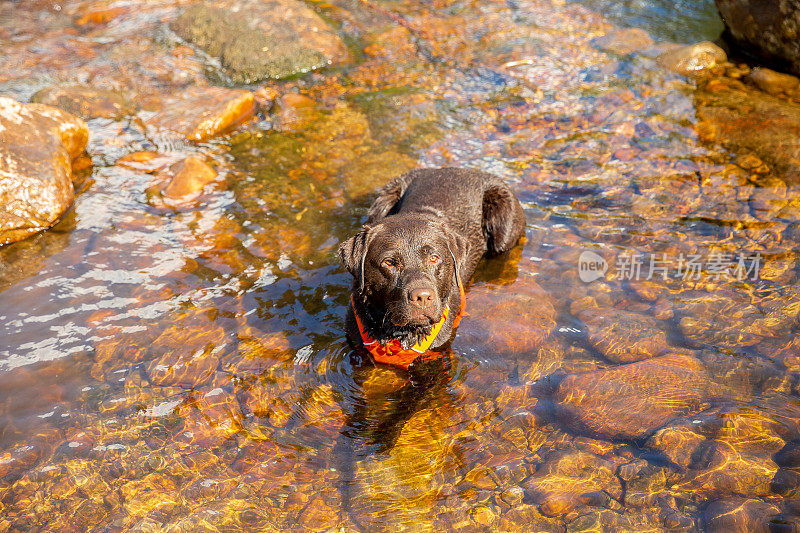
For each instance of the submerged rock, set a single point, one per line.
(85, 102)
(629, 401)
(259, 40)
(200, 113)
(188, 178)
(723, 470)
(693, 59)
(623, 337)
(773, 82)
(624, 41)
(37, 146)
(770, 30)
(571, 479)
(744, 119)
(739, 514)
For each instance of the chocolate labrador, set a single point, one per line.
(425, 234)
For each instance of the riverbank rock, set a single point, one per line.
(200, 113)
(630, 401)
(256, 40)
(37, 146)
(85, 102)
(744, 119)
(693, 59)
(770, 30)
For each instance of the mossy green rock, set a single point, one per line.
(256, 41)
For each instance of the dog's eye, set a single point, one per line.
(433, 258)
(389, 263)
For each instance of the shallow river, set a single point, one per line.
(187, 368)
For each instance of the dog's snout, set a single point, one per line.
(421, 297)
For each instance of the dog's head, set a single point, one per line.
(405, 270)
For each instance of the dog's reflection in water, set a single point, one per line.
(389, 398)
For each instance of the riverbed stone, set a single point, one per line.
(721, 470)
(568, 480)
(622, 336)
(256, 40)
(744, 119)
(773, 82)
(188, 178)
(678, 442)
(37, 145)
(734, 515)
(200, 113)
(694, 59)
(624, 41)
(770, 30)
(630, 401)
(84, 101)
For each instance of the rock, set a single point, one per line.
(185, 354)
(293, 111)
(785, 483)
(200, 113)
(622, 336)
(188, 178)
(693, 59)
(568, 478)
(789, 455)
(629, 401)
(256, 40)
(722, 319)
(773, 82)
(722, 470)
(625, 41)
(744, 119)
(769, 30)
(85, 102)
(512, 324)
(37, 146)
(739, 515)
(678, 442)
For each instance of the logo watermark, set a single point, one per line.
(591, 266)
(690, 267)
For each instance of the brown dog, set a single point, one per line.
(424, 236)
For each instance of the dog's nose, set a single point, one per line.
(420, 297)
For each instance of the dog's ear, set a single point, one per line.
(458, 249)
(388, 197)
(503, 219)
(353, 252)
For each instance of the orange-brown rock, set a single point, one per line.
(622, 336)
(85, 102)
(678, 442)
(739, 515)
(188, 178)
(200, 113)
(516, 323)
(744, 119)
(721, 470)
(563, 482)
(37, 146)
(189, 355)
(693, 59)
(624, 41)
(630, 401)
